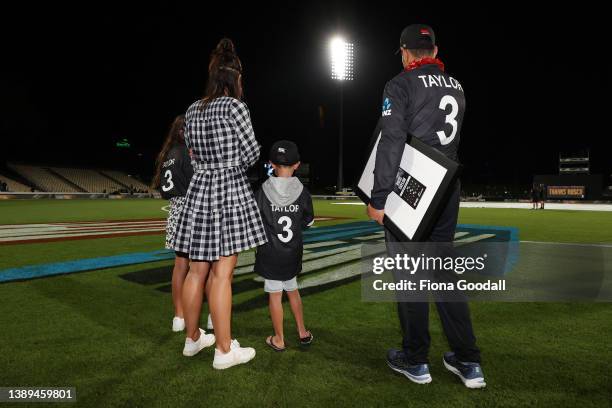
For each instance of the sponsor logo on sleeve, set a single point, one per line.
(386, 107)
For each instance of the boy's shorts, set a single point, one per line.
(275, 286)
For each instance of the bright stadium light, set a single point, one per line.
(342, 59)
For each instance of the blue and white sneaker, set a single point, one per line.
(470, 373)
(418, 373)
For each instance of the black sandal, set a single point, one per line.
(305, 341)
(274, 347)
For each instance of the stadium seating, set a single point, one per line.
(14, 186)
(43, 179)
(126, 180)
(72, 180)
(89, 180)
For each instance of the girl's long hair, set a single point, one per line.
(224, 73)
(175, 136)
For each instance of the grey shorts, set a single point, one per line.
(275, 286)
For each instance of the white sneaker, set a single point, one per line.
(236, 355)
(194, 347)
(209, 325)
(178, 324)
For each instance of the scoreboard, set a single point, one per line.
(577, 192)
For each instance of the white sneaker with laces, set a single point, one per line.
(209, 325)
(178, 324)
(194, 347)
(236, 355)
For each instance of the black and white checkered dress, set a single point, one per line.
(220, 216)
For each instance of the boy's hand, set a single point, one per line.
(376, 215)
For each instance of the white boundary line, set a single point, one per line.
(518, 205)
(568, 243)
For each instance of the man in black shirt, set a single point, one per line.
(426, 102)
(286, 208)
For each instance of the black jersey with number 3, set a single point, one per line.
(176, 172)
(286, 208)
(425, 102)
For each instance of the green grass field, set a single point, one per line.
(110, 337)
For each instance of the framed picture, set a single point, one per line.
(423, 183)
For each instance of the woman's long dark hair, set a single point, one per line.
(224, 73)
(175, 136)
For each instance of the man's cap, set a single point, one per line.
(418, 37)
(285, 153)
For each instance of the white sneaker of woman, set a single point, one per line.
(194, 347)
(178, 324)
(236, 355)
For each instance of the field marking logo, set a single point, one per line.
(331, 257)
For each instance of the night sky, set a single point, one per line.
(77, 79)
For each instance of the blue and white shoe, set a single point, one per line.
(418, 373)
(470, 373)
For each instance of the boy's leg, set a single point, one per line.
(276, 313)
(295, 300)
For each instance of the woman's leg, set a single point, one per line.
(220, 300)
(276, 313)
(193, 291)
(181, 266)
(295, 301)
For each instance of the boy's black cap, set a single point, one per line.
(285, 153)
(418, 37)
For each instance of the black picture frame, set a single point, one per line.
(440, 197)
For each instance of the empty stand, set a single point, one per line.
(126, 180)
(89, 180)
(14, 186)
(71, 180)
(43, 179)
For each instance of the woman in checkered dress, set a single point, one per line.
(220, 217)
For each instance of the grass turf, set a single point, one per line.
(110, 337)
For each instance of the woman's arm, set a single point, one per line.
(249, 152)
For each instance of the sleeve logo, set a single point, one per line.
(386, 107)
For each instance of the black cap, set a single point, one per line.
(285, 153)
(418, 37)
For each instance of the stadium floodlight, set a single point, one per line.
(342, 59)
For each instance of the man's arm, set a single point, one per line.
(391, 144)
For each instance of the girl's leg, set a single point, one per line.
(220, 300)
(181, 266)
(276, 313)
(296, 308)
(193, 290)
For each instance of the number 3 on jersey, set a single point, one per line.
(286, 223)
(169, 185)
(450, 118)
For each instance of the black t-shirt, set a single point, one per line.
(176, 172)
(425, 102)
(281, 257)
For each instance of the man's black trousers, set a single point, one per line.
(454, 316)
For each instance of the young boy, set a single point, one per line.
(286, 208)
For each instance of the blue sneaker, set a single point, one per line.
(470, 373)
(418, 373)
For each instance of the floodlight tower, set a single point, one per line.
(341, 71)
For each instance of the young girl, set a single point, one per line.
(220, 217)
(172, 176)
